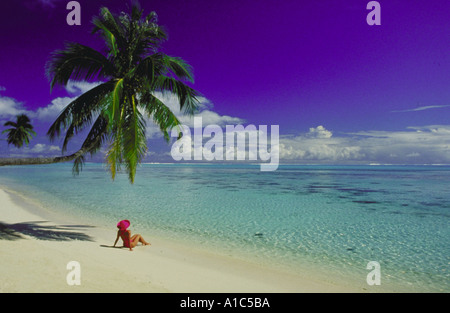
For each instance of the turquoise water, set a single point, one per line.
(333, 219)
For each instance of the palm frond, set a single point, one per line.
(189, 104)
(110, 29)
(10, 123)
(78, 163)
(179, 67)
(114, 155)
(77, 62)
(145, 72)
(136, 11)
(79, 113)
(134, 140)
(116, 100)
(93, 142)
(160, 114)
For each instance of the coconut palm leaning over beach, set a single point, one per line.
(132, 70)
(21, 131)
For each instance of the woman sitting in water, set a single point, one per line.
(128, 240)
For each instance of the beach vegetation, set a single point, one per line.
(131, 68)
(20, 131)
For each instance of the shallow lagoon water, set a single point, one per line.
(333, 219)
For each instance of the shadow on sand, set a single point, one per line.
(116, 247)
(39, 230)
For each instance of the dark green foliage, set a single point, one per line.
(21, 131)
(132, 70)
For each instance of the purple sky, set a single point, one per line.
(340, 90)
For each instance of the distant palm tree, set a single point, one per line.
(21, 131)
(132, 70)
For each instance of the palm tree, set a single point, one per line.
(132, 70)
(21, 131)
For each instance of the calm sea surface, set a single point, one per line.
(331, 219)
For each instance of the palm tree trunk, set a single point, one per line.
(33, 161)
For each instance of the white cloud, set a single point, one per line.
(40, 147)
(438, 129)
(317, 145)
(11, 107)
(80, 87)
(319, 132)
(38, 150)
(422, 108)
(430, 144)
(51, 111)
(208, 116)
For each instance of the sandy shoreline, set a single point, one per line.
(36, 246)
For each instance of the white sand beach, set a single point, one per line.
(36, 246)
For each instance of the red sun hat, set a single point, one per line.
(123, 225)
